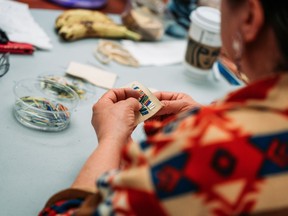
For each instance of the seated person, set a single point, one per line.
(228, 158)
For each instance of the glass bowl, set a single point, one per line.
(85, 90)
(44, 104)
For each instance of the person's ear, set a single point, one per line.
(252, 20)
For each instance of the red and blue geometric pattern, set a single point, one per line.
(224, 159)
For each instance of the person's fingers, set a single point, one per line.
(170, 107)
(134, 103)
(164, 95)
(119, 94)
(170, 96)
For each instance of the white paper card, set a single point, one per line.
(92, 74)
(157, 53)
(150, 103)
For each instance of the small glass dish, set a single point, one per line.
(85, 90)
(44, 104)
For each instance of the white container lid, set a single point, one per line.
(207, 17)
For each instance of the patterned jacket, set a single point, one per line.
(228, 158)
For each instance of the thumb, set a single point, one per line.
(134, 103)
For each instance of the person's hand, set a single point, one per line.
(174, 103)
(114, 115)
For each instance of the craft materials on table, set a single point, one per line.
(107, 51)
(52, 114)
(94, 75)
(85, 90)
(150, 103)
(63, 81)
(44, 104)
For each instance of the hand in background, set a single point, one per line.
(114, 115)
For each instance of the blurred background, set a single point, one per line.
(111, 6)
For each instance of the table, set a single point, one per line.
(34, 164)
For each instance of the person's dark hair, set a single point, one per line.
(276, 16)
